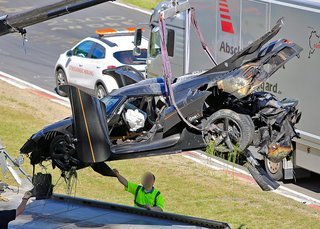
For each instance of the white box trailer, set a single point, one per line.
(228, 26)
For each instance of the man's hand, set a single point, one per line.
(23, 203)
(121, 179)
(27, 195)
(148, 207)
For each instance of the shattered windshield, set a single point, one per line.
(111, 102)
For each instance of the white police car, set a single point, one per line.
(84, 64)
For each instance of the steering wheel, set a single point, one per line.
(81, 55)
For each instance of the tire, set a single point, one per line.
(274, 170)
(235, 130)
(60, 152)
(100, 91)
(61, 79)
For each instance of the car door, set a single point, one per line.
(77, 64)
(95, 65)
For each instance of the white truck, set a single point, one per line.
(228, 26)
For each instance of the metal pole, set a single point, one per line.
(17, 22)
(187, 43)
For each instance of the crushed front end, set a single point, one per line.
(275, 125)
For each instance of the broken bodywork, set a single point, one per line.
(139, 120)
(18, 22)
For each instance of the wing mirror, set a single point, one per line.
(69, 53)
(137, 37)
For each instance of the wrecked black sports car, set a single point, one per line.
(138, 120)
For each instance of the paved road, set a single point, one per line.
(308, 186)
(49, 39)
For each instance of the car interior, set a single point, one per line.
(135, 120)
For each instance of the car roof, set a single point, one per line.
(121, 42)
(154, 86)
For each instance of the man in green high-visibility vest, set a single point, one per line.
(145, 195)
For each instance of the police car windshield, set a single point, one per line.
(111, 102)
(127, 57)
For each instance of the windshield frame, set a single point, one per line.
(111, 108)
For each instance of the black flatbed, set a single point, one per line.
(63, 211)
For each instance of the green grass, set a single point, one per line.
(146, 4)
(189, 188)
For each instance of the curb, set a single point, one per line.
(242, 174)
(131, 7)
(24, 85)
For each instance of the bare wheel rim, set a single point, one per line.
(61, 153)
(228, 135)
(101, 93)
(273, 167)
(61, 79)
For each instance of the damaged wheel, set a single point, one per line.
(62, 153)
(274, 169)
(228, 130)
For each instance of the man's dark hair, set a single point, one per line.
(151, 174)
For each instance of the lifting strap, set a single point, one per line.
(167, 73)
(200, 35)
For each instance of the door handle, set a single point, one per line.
(98, 67)
(80, 65)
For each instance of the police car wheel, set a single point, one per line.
(101, 92)
(61, 79)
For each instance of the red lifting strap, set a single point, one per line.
(200, 35)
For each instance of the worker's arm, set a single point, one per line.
(23, 203)
(121, 179)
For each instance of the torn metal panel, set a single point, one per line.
(246, 79)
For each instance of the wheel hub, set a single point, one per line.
(62, 153)
(227, 135)
(101, 93)
(61, 79)
(273, 167)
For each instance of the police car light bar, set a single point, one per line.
(111, 31)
